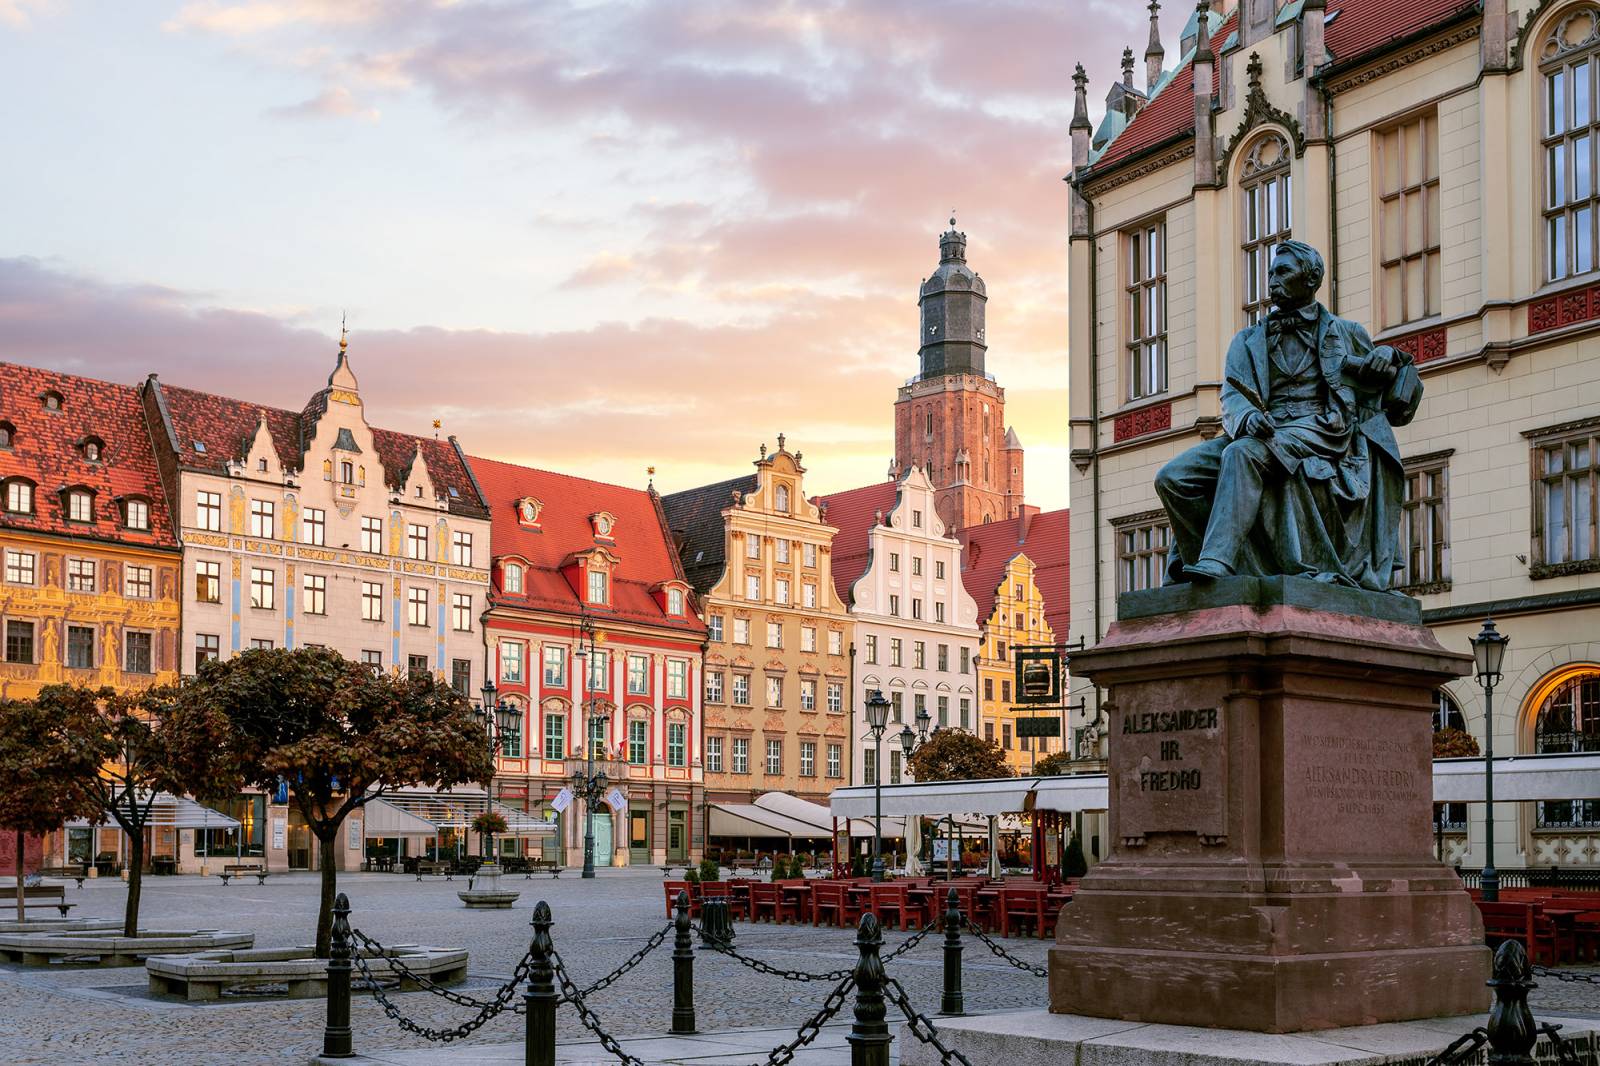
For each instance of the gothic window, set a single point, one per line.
(1569, 721)
(1569, 59)
(1408, 219)
(1147, 309)
(1267, 208)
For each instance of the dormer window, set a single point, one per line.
(675, 601)
(93, 449)
(19, 496)
(80, 505)
(419, 492)
(528, 510)
(604, 525)
(52, 400)
(8, 434)
(136, 514)
(261, 464)
(781, 497)
(511, 578)
(347, 472)
(598, 586)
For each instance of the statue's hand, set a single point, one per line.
(1257, 424)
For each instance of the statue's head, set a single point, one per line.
(1296, 274)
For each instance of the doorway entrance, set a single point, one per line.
(638, 836)
(602, 837)
(677, 836)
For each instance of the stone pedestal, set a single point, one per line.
(485, 891)
(1270, 822)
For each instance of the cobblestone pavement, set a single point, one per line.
(106, 1016)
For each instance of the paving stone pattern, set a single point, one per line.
(107, 1015)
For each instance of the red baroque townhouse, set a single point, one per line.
(592, 632)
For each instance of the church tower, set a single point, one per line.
(950, 418)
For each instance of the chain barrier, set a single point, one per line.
(1566, 1054)
(573, 995)
(1000, 952)
(1462, 1050)
(486, 1011)
(633, 960)
(760, 967)
(785, 1053)
(914, 939)
(427, 984)
(1588, 977)
(921, 1025)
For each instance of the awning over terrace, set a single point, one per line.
(411, 813)
(1005, 795)
(1519, 777)
(175, 812)
(749, 820)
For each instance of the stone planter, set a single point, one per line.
(484, 891)
(111, 948)
(206, 975)
(60, 925)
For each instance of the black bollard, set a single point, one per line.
(869, 1035)
(716, 927)
(1511, 1029)
(539, 1046)
(952, 1000)
(336, 1041)
(683, 968)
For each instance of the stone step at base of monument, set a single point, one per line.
(1039, 1038)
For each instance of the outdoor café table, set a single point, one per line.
(800, 894)
(925, 903)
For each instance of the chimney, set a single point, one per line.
(1495, 38)
(1205, 139)
(1081, 130)
(1154, 54)
(1312, 18)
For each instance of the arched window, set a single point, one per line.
(93, 449)
(1568, 59)
(1569, 721)
(8, 434)
(511, 577)
(52, 400)
(1266, 208)
(781, 497)
(1446, 714)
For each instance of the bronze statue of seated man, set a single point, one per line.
(1306, 479)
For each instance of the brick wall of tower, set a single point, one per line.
(956, 403)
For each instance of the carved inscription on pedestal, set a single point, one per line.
(1171, 774)
(1350, 783)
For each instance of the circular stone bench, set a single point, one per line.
(206, 975)
(111, 948)
(60, 925)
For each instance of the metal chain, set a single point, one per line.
(587, 1016)
(518, 974)
(633, 960)
(1001, 953)
(914, 939)
(1588, 977)
(1565, 1053)
(1461, 1050)
(920, 1025)
(785, 1053)
(487, 1011)
(772, 971)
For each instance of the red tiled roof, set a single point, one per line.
(47, 450)
(854, 513)
(641, 542)
(1366, 25)
(1362, 27)
(986, 549)
(208, 431)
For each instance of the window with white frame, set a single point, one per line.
(780, 590)
(511, 578)
(598, 586)
(555, 735)
(638, 674)
(599, 670)
(808, 594)
(808, 554)
(136, 514)
(638, 741)
(714, 755)
(677, 744)
(372, 535)
(80, 506)
(835, 760)
(835, 697)
(417, 606)
(714, 628)
(677, 679)
(808, 694)
(741, 755)
(774, 756)
(263, 519)
(752, 546)
(372, 660)
(1408, 219)
(81, 575)
(263, 588)
(461, 548)
(1146, 323)
(741, 631)
(774, 634)
(314, 594)
(461, 612)
(808, 638)
(1267, 209)
(416, 541)
(808, 758)
(781, 546)
(780, 498)
(372, 601)
(835, 642)
(208, 511)
(774, 691)
(511, 661)
(741, 690)
(555, 666)
(19, 497)
(207, 581)
(752, 586)
(713, 686)
(675, 601)
(1570, 58)
(314, 526)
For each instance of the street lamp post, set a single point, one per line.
(909, 743)
(587, 783)
(499, 719)
(877, 719)
(1488, 653)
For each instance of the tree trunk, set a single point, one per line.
(130, 910)
(22, 895)
(327, 837)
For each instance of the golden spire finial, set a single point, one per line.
(344, 337)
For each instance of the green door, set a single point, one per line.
(602, 835)
(677, 836)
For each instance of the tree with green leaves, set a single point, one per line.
(340, 733)
(952, 755)
(48, 759)
(1053, 765)
(1073, 864)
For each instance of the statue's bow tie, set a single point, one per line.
(1297, 320)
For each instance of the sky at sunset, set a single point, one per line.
(589, 236)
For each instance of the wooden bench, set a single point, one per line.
(541, 866)
(77, 871)
(428, 866)
(248, 869)
(1521, 922)
(50, 895)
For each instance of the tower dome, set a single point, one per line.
(952, 300)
